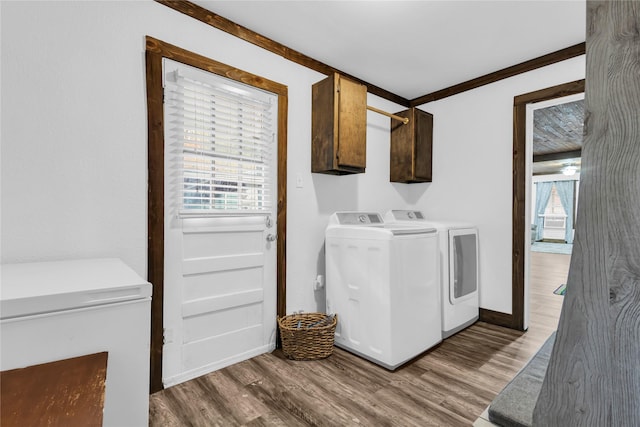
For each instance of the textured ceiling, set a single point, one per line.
(558, 128)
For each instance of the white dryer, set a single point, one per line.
(458, 268)
(382, 282)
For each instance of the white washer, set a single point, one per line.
(458, 268)
(382, 282)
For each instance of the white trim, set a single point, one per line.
(556, 177)
(555, 101)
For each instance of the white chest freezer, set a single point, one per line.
(51, 311)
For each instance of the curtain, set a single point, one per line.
(543, 192)
(565, 192)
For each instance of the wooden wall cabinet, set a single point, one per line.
(411, 147)
(338, 126)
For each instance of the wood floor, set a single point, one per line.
(450, 385)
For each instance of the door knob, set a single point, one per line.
(271, 237)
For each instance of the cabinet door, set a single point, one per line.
(423, 145)
(324, 125)
(411, 147)
(401, 153)
(352, 124)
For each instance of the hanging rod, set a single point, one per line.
(404, 120)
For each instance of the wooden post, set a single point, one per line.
(593, 377)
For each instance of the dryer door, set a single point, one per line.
(463, 264)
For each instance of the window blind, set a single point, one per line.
(222, 139)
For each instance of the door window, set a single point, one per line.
(222, 135)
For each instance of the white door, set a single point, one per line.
(220, 265)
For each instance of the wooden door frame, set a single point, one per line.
(155, 51)
(519, 187)
(515, 320)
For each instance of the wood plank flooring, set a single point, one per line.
(450, 385)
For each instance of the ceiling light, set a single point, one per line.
(569, 170)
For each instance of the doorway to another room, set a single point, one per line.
(554, 134)
(546, 152)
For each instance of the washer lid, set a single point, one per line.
(405, 229)
(43, 287)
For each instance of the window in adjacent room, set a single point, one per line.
(555, 204)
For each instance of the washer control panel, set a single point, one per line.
(402, 215)
(359, 218)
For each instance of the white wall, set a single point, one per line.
(74, 180)
(74, 138)
(472, 169)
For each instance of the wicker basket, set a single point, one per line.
(302, 340)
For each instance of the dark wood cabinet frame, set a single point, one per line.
(155, 51)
